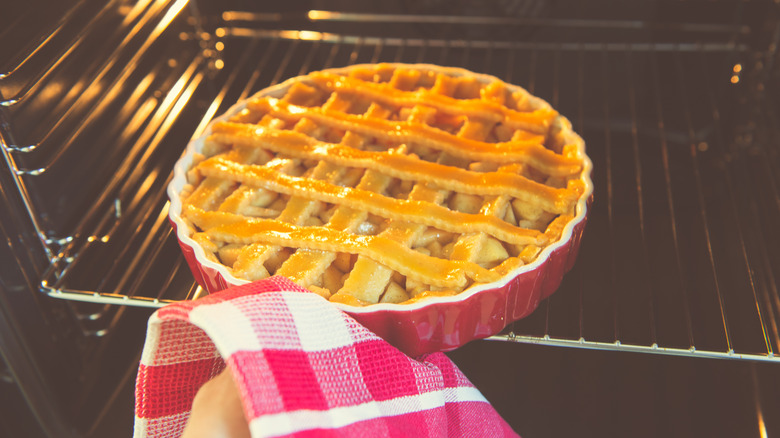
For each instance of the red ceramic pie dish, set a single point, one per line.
(436, 323)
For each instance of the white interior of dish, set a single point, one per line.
(184, 231)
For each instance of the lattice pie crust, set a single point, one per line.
(387, 183)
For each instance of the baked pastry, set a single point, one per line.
(385, 183)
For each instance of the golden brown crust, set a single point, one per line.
(385, 184)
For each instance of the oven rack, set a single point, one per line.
(680, 256)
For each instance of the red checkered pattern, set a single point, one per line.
(304, 368)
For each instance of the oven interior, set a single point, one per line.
(676, 100)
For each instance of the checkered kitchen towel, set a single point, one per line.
(303, 367)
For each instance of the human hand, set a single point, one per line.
(217, 411)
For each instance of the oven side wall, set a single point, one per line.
(36, 344)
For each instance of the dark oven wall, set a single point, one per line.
(677, 102)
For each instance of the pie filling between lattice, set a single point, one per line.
(386, 183)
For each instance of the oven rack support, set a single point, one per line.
(700, 136)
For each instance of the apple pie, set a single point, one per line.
(384, 183)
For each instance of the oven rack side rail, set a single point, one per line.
(155, 303)
(284, 52)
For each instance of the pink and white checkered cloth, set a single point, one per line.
(303, 367)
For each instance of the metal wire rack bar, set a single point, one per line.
(670, 198)
(645, 260)
(290, 35)
(6, 138)
(702, 204)
(337, 16)
(633, 348)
